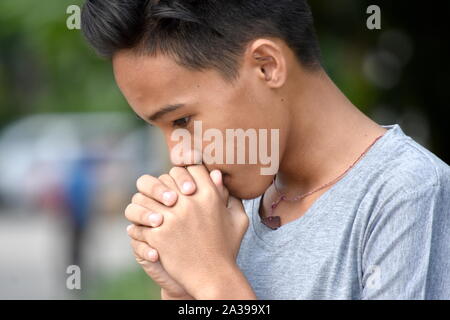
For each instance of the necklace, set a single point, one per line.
(274, 222)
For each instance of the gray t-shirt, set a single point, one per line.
(381, 232)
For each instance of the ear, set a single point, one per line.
(268, 60)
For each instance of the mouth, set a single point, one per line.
(225, 178)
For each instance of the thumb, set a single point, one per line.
(237, 211)
(217, 178)
(235, 206)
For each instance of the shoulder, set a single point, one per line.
(410, 186)
(406, 192)
(409, 167)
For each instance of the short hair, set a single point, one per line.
(200, 34)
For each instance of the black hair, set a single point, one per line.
(200, 34)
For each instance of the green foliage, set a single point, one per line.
(133, 284)
(45, 67)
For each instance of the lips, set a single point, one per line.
(226, 177)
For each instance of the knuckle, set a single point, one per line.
(179, 172)
(139, 251)
(142, 249)
(137, 198)
(174, 171)
(156, 189)
(131, 233)
(141, 200)
(143, 181)
(137, 234)
(128, 210)
(134, 212)
(164, 176)
(143, 217)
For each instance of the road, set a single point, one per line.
(33, 251)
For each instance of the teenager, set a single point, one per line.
(356, 210)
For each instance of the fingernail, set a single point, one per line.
(217, 175)
(154, 219)
(151, 254)
(168, 197)
(188, 186)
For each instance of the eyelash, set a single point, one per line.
(176, 124)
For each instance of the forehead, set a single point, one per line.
(158, 78)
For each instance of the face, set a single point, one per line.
(151, 83)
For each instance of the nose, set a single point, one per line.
(182, 154)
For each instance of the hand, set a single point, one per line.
(153, 188)
(200, 237)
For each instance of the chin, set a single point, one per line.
(242, 190)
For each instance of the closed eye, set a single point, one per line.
(181, 123)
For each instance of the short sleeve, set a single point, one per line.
(406, 252)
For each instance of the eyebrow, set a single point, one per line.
(164, 111)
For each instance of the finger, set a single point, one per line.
(237, 211)
(235, 206)
(200, 175)
(151, 215)
(143, 251)
(186, 157)
(183, 180)
(155, 269)
(138, 233)
(154, 188)
(168, 181)
(217, 179)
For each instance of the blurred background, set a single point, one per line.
(71, 149)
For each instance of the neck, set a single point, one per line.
(327, 134)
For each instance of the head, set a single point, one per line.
(229, 64)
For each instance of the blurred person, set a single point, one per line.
(79, 195)
(357, 210)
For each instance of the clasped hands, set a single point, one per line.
(186, 234)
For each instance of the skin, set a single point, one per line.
(198, 241)
(321, 134)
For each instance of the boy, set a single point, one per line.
(355, 210)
